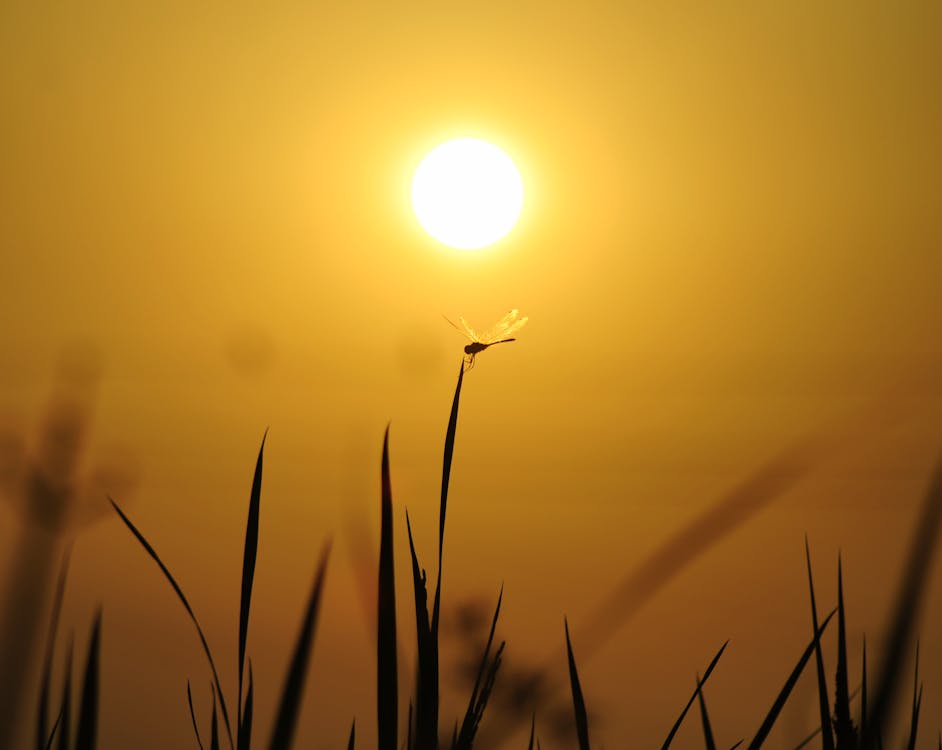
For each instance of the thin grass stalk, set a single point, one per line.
(86, 733)
(578, 702)
(214, 727)
(532, 731)
(845, 734)
(705, 718)
(52, 734)
(387, 672)
(352, 741)
(863, 692)
(475, 709)
(786, 690)
(827, 738)
(186, 605)
(189, 702)
(249, 557)
(909, 594)
(683, 714)
(42, 733)
(293, 689)
(737, 745)
(245, 728)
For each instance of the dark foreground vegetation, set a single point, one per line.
(850, 719)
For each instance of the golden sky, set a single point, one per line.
(731, 239)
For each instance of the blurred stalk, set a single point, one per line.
(43, 486)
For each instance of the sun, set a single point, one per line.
(467, 193)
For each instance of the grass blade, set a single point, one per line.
(863, 691)
(683, 714)
(351, 743)
(189, 702)
(578, 703)
(479, 693)
(909, 594)
(186, 605)
(66, 710)
(705, 718)
(87, 732)
(249, 557)
(532, 732)
(245, 727)
(917, 702)
(425, 726)
(290, 702)
(387, 671)
(827, 739)
(845, 735)
(786, 690)
(52, 734)
(42, 733)
(214, 730)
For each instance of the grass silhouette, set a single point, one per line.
(837, 728)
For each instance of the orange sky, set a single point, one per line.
(731, 239)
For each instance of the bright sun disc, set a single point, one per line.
(467, 194)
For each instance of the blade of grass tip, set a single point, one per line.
(245, 728)
(827, 739)
(351, 743)
(736, 745)
(387, 670)
(52, 735)
(843, 726)
(909, 595)
(66, 710)
(786, 690)
(42, 733)
(426, 694)
(683, 714)
(87, 732)
(488, 687)
(532, 731)
(249, 557)
(578, 702)
(214, 728)
(290, 703)
(808, 739)
(705, 718)
(917, 702)
(410, 738)
(189, 610)
(189, 702)
(471, 716)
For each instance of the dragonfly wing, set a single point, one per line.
(462, 329)
(504, 327)
(468, 330)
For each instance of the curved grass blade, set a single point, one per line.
(42, 733)
(387, 670)
(683, 714)
(52, 734)
(351, 743)
(845, 734)
(532, 731)
(87, 732)
(736, 745)
(909, 594)
(245, 728)
(827, 739)
(786, 690)
(705, 718)
(478, 701)
(578, 702)
(186, 605)
(249, 557)
(189, 702)
(290, 702)
(423, 723)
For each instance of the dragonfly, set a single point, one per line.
(499, 333)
